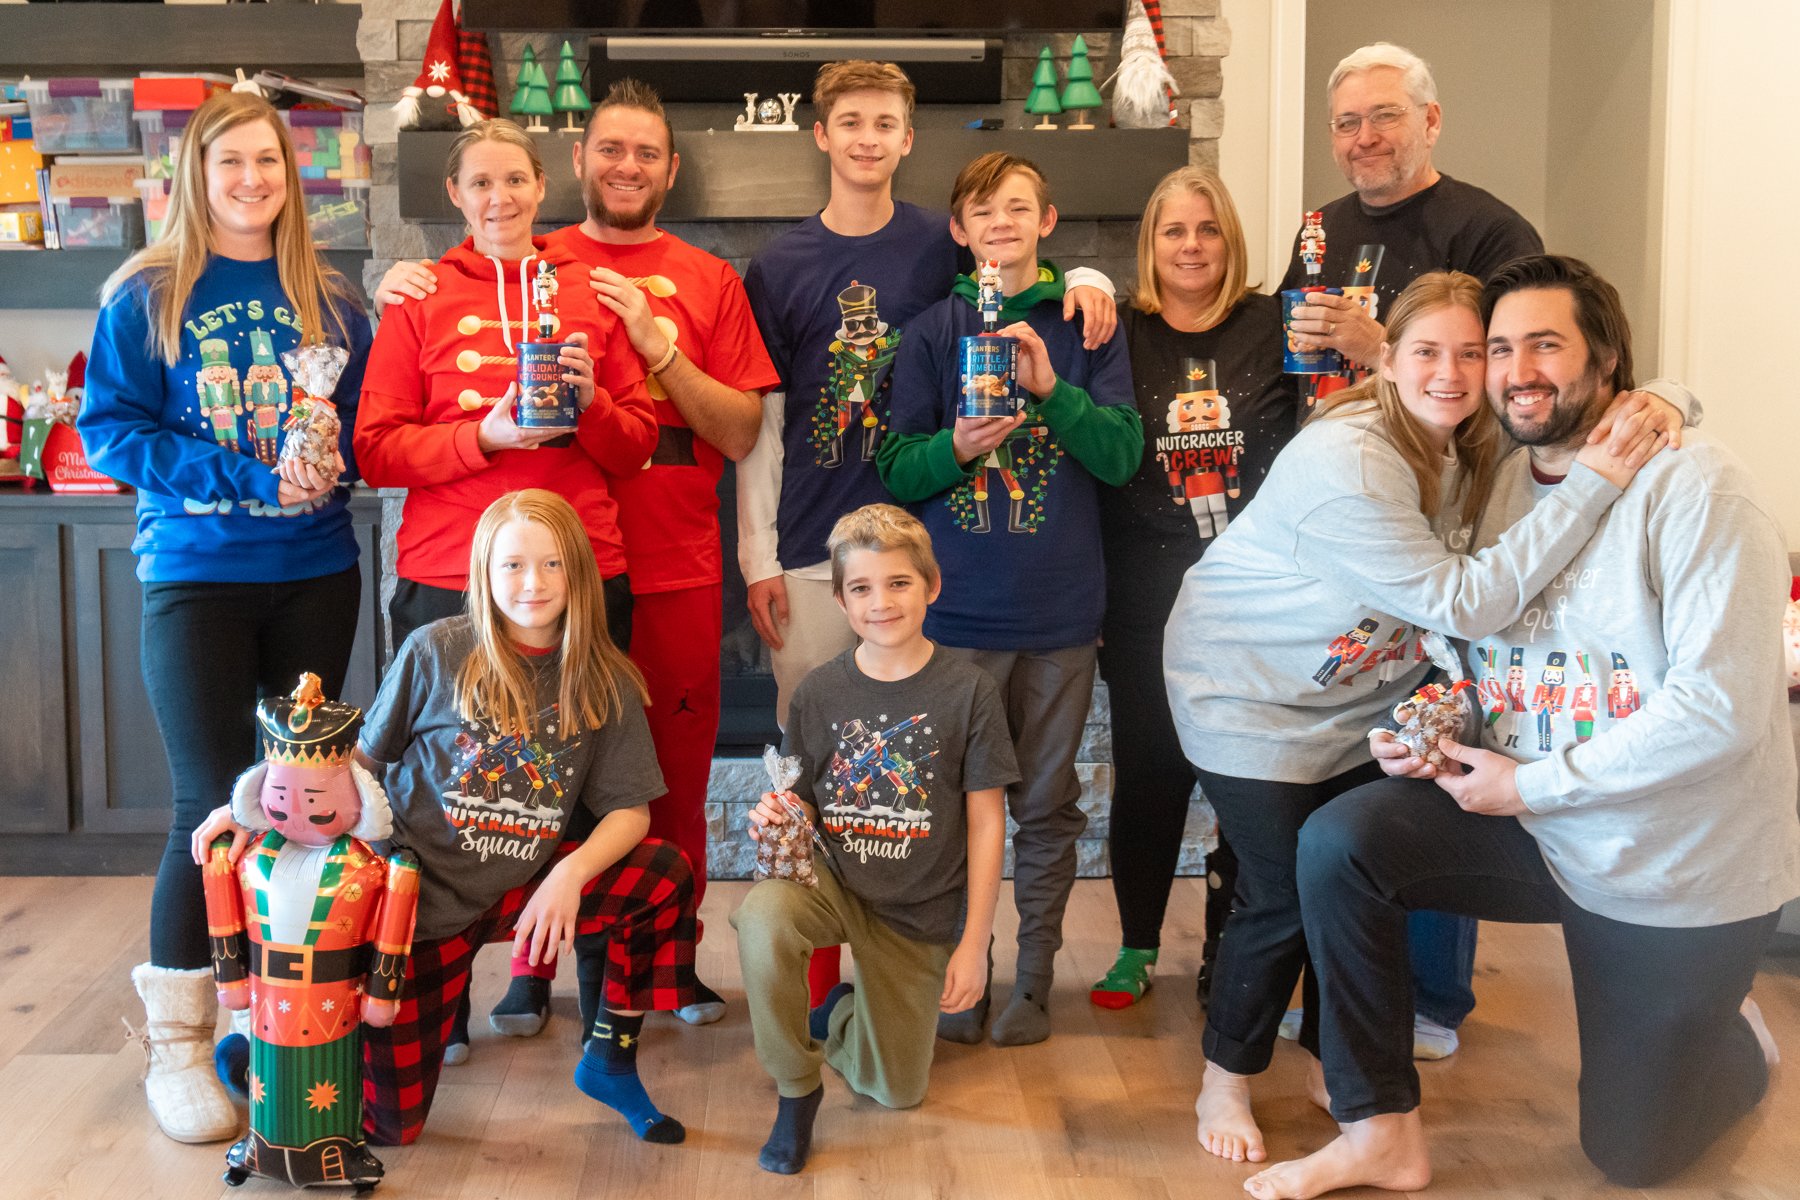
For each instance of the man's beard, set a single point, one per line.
(634, 219)
(1573, 413)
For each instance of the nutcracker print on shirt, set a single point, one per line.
(1564, 703)
(1199, 454)
(508, 796)
(853, 404)
(242, 412)
(880, 786)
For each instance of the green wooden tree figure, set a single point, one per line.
(1042, 101)
(569, 97)
(1081, 94)
(524, 81)
(537, 98)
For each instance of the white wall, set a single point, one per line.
(1732, 180)
(35, 340)
(1492, 66)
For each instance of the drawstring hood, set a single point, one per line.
(524, 299)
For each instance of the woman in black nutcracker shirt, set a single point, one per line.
(1206, 362)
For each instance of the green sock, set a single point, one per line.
(1128, 980)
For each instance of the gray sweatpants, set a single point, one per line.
(1046, 694)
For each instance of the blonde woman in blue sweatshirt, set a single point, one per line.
(249, 570)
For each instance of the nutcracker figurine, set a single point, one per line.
(310, 932)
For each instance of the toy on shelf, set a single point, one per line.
(532, 98)
(441, 79)
(1042, 101)
(570, 98)
(310, 932)
(773, 115)
(1143, 88)
(1081, 94)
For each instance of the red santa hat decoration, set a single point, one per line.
(441, 74)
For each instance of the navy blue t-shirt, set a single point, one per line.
(833, 312)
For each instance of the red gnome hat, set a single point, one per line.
(439, 75)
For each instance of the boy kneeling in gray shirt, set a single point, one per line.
(905, 759)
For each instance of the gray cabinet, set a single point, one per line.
(79, 747)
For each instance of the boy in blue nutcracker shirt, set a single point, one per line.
(1012, 504)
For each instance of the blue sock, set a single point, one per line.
(607, 1072)
(818, 1021)
(231, 1062)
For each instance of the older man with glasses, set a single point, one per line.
(1384, 120)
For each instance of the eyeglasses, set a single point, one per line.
(1382, 118)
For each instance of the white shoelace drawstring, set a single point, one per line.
(524, 299)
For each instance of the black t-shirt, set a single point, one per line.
(888, 765)
(1201, 453)
(1450, 226)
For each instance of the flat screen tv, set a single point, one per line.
(964, 17)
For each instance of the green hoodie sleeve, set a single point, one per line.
(1107, 439)
(917, 466)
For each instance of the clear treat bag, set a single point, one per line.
(312, 425)
(786, 850)
(1436, 710)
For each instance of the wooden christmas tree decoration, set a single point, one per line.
(570, 98)
(1081, 94)
(524, 80)
(536, 93)
(1042, 101)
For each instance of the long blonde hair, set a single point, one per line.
(173, 264)
(494, 683)
(1146, 296)
(1477, 438)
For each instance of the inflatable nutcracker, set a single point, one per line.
(310, 933)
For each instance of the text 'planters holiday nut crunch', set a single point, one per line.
(546, 401)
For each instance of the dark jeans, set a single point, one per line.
(416, 604)
(1264, 949)
(1152, 784)
(1667, 1061)
(210, 652)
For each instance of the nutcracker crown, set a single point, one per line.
(305, 729)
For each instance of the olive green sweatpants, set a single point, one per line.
(882, 1035)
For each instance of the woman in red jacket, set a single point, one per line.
(437, 405)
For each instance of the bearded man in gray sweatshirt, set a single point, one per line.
(1637, 787)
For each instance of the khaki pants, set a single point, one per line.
(816, 632)
(882, 1036)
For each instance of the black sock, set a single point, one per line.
(615, 1040)
(459, 1029)
(590, 979)
(791, 1140)
(526, 995)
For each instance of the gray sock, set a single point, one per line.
(966, 1026)
(1026, 1018)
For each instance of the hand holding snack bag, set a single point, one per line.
(1435, 711)
(784, 850)
(312, 427)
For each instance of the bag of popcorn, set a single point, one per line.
(785, 851)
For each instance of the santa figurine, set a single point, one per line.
(449, 56)
(310, 931)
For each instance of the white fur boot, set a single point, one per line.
(185, 1096)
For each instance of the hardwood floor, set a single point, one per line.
(1102, 1110)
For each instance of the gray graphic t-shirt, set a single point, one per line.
(887, 766)
(483, 809)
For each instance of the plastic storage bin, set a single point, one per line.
(328, 143)
(73, 116)
(84, 222)
(161, 134)
(338, 213)
(153, 196)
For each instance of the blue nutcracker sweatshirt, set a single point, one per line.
(198, 440)
(1016, 532)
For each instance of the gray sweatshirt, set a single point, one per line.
(1298, 631)
(1643, 691)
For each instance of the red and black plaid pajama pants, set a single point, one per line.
(644, 907)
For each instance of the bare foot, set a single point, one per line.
(1753, 1014)
(1315, 1085)
(1386, 1151)
(1227, 1128)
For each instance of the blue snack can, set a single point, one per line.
(989, 366)
(1295, 361)
(545, 400)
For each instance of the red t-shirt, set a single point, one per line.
(669, 508)
(438, 366)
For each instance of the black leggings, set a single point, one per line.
(1667, 1060)
(210, 652)
(1152, 785)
